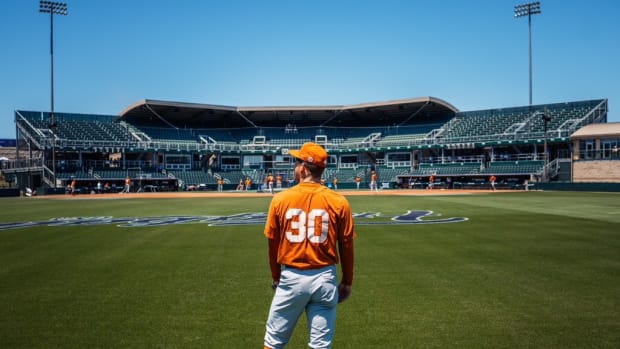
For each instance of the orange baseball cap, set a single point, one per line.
(311, 153)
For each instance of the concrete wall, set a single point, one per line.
(596, 171)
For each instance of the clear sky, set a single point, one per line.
(472, 54)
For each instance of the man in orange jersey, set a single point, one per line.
(127, 188)
(310, 229)
(279, 181)
(373, 182)
(431, 182)
(492, 179)
(269, 182)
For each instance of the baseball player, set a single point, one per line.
(309, 229)
(492, 179)
(269, 182)
(373, 182)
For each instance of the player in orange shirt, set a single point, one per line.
(431, 182)
(269, 182)
(373, 182)
(248, 183)
(127, 188)
(279, 181)
(73, 186)
(310, 229)
(492, 179)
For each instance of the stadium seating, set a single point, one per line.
(105, 143)
(516, 123)
(452, 169)
(514, 167)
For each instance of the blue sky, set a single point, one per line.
(472, 54)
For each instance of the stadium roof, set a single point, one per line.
(598, 130)
(395, 112)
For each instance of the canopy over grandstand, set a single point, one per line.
(166, 144)
(388, 113)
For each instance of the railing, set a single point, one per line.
(433, 138)
(394, 164)
(552, 169)
(48, 177)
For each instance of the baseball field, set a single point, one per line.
(455, 270)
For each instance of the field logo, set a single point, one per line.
(366, 218)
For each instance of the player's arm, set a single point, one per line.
(274, 244)
(347, 254)
(347, 257)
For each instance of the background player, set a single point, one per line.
(492, 179)
(373, 182)
(310, 229)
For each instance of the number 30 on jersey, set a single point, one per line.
(306, 226)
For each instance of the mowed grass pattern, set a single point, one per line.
(527, 270)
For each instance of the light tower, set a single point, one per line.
(528, 10)
(53, 8)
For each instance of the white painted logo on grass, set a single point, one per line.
(366, 218)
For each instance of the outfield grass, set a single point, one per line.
(526, 270)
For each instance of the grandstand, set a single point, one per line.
(177, 146)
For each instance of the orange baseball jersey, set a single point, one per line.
(373, 177)
(303, 220)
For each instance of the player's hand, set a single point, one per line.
(344, 291)
(274, 285)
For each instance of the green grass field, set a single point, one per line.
(526, 270)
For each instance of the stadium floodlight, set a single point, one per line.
(546, 119)
(528, 10)
(53, 8)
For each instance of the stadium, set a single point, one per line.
(144, 228)
(173, 146)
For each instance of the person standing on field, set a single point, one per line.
(127, 188)
(279, 181)
(309, 229)
(269, 182)
(373, 182)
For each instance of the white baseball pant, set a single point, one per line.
(313, 290)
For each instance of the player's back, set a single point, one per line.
(309, 217)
